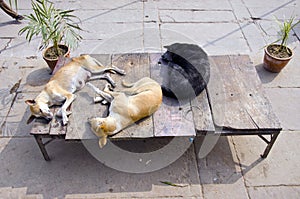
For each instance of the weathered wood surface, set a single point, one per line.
(236, 96)
(40, 127)
(202, 114)
(236, 102)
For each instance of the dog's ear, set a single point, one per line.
(102, 141)
(30, 119)
(30, 102)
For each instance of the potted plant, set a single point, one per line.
(278, 55)
(55, 26)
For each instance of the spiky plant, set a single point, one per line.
(56, 26)
(285, 29)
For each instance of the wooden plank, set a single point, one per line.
(236, 95)
(173, 118)
(224, 94)
(40, 127)
(253, 99)
(202, 114)
(136, 67)
(84, 107)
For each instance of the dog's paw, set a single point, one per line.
(122, 72)
(98, 99)
(65, 121)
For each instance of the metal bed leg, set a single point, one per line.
(270, 144)
(42, 147)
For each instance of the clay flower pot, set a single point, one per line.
(51, 61)
(275, 64)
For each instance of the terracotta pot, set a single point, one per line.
(52, 62)
(275, 64)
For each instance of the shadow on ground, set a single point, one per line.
(265, 76)
(221, 165)
(73, 170)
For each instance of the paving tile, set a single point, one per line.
(73, 170)
(269, 9)
(9, 27)
(190, 4)
(6, 100)
(12, 193)
(150, 4)
(88, 4)
(3, 44)
(193, 16)
(126, 41)
(109, 16)
(34, 73)
(274, 12)
(272, 3)
(240, 10)
(19, 47)
(151, 38)
(23, 5)
(220, 174)
(297, 31)
(151, 15)
(113, 5)
(16, 121)
(88, 46)
(281, 167)
(216, 39)
(285, 103)
(107, 31)
(5, 192)
(254, 36)
(33, 196)
(278, 192)
(3, 143)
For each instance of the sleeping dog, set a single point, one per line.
(64, 83)
(138, 100)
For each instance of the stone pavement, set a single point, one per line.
(233, 169)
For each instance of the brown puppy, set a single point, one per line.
(68, 79)
(137, 101)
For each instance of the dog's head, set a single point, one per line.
(102, 127)
(87, 60)
(38, 110)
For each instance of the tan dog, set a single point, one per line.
(137, 101)
(66, 81)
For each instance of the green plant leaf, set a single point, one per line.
(52, 24)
